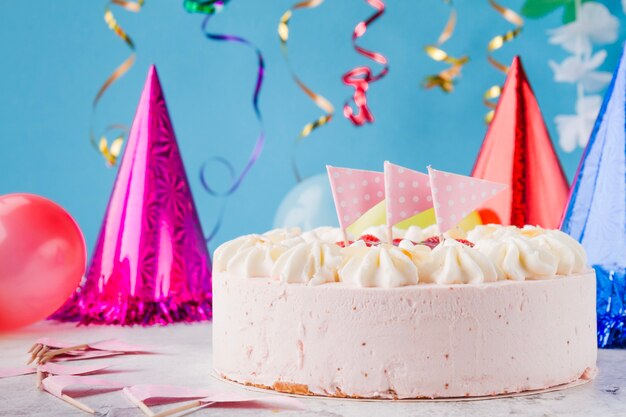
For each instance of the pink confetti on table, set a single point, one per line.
(52, 368)
(57, 384)
(355, 191)
(273, 401)
(455, 196)
(147, 394)
(407, 193)
(57, 369)
(79, 355)
(17, 371)
(115, 345)
(112, 345)
(156, 394)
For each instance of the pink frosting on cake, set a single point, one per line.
(426, 340)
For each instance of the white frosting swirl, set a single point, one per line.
(377, 266)
(455, 263)
(519, 257)
(569, 253)
(228, 249)
(501, 252)
(420, 254)
(308, 263)
(250, 256)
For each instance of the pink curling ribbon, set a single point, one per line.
(361, 77)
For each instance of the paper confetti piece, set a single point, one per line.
(144, 394)
(17, 371)
(156, 394)
(90, 354)
(57, 384)
(113, 345)
(57, 369)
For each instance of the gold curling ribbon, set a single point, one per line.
(320, 101)
(445, 78)
(494, 44)
(111, 151)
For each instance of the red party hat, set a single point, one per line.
(518, 151)
(150, 264)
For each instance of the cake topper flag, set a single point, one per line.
(150, 264)
(455, 196)
(517, 151)
(407, 193)
(355, 191)
(596, 212)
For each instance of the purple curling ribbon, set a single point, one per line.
(211, 7)
(260, 141)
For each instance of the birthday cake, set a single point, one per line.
(499, 310)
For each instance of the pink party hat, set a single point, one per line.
(150, 264)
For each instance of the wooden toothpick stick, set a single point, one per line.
(39, 379)
(346, 242)
(77, 404)
(50, 354)
(142, 406)
(41, 354)
(34, 352)
(175, 410)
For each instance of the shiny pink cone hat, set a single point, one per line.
(150, 264)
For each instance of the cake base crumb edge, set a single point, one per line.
(293, 388)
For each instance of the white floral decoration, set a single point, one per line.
(575, 69)
(594, 24)
(574, 130)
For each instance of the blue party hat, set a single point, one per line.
(595, 214)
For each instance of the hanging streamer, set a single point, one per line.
(361, 77)
(320, 101)
(211, 7)
(496, 43)
(445, 78)
(111, 151)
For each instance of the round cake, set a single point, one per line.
(503, 310)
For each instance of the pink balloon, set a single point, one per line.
(42, 259)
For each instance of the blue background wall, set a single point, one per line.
(56, 54)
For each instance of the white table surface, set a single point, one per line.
(185, 359)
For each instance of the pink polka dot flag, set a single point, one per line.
(407, 193)
(355, 191)
(455, 196)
